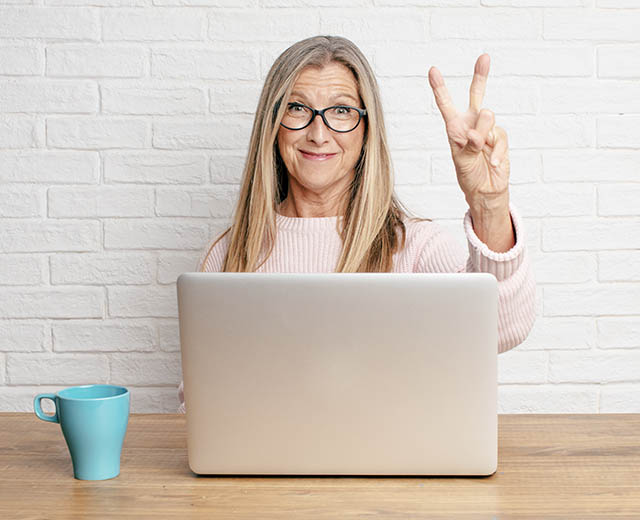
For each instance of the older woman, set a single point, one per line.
(317, 187)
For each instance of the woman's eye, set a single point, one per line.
(342, 110)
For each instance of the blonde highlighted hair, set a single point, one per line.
(373, 216)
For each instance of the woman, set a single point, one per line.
(317, 188)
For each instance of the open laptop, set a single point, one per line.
(340, 374)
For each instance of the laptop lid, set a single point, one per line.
(340, 374)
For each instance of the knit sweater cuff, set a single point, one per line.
(484, 260)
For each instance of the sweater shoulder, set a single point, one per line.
(212, 258)
(419, 232)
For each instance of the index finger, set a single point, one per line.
(443, 99)
(479, 82)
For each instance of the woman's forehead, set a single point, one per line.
(334, 79)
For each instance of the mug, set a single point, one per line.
(94, 421)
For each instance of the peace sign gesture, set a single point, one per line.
(479, 149)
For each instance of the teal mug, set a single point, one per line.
(94, 421)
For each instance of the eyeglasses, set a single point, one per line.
(339, 118)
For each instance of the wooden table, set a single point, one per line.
(549, 466)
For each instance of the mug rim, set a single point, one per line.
(59, 392)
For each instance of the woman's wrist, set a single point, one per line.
(492, 224)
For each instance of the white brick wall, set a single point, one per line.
(123, 132)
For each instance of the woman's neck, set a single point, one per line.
(291, 208)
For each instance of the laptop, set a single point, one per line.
(340, 373)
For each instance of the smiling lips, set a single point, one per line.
(316, 156)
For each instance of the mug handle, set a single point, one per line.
(38, 410)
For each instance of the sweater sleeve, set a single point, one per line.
(211, 260)
(512, 269)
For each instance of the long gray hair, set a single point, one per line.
(373, 216)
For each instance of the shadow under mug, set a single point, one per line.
(94, 421)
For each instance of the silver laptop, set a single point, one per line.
(340, 374)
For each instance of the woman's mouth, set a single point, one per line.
(316, 156)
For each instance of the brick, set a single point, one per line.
(216, 201)
(506, 60)
(618, 61)
(153, 101)
(548, 399)
(21, 269)
(20, 132)
(204, 64)
(415, 132)
(49, 96)
(143, 302)
(97, 133)
(226, 167)
(47, 167)
(554, 200)
(102, 269)
(405, 95)
(412, 166)
(375, 24)
(536, 3)
(587, 234)
(61, 23)
(154, 399)
(155, 167)
(103, 336)
(57, 369)
(619, 332)
(27, 236)
(149, 24)
(590, 24)
(589, 165)
(515, 366)
(562, 268)
(169, 335)
(22, 336)
(479, 24)
(561, 333)
(434, 201)
(312, 3)
(100, 201)
(235, 98)
(573, 95)
(542, 131)
(594, 366)
(620, 398)
(151, 369)
(226, 132)
(286, 25)
(170, 266)
(610, 299)
(619, 131)
(21, 60)
(89, 60)
(619, 266)
(52, 302)
(21, 201)
(618, 199)
(153, 234)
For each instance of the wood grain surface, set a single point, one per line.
(549, 467)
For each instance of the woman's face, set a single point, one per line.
(319, 161)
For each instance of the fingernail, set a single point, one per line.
(494, 161)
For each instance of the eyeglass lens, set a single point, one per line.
(340, 118)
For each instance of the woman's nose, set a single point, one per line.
(318, 131)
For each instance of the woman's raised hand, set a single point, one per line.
(478, 147)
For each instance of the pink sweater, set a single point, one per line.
(312, 245)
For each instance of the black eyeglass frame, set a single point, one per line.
(361, 113)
